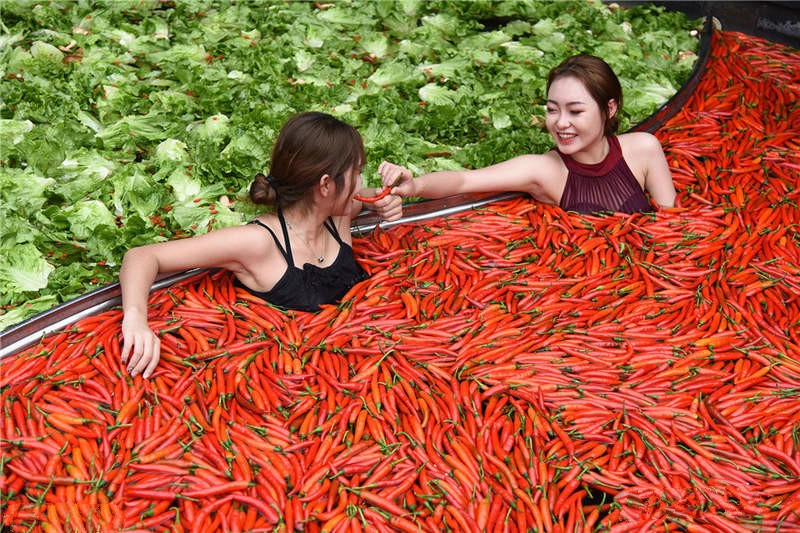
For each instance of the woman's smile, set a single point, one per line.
(565, 138)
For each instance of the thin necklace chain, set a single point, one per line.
(320, 257)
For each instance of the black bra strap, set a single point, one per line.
(286, 256)
(289, 258)
(333, 231)
(287, 253)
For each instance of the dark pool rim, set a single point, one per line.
(25, 334)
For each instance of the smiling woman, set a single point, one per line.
(590, 170)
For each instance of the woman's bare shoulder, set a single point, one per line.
(240, 241)
(255, 231)
(639, 141)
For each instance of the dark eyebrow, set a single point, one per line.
(576, 102)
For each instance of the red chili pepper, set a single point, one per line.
(372, 199)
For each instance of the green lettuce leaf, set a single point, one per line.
(24, 269)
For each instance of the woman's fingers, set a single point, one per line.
(390, 208)
(154, 358)
(137, 353)
(126, 349)
(393, 175)
(144, 355)
(400, 180)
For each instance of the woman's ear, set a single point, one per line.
(326, 185)
(612, 108)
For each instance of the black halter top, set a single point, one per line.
(306, 288)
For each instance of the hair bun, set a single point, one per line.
(262, 190)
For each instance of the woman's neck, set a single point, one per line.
(307, 222)
(594, 154)
(307, 228)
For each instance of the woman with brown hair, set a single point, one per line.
(590, 170)
(297, 256)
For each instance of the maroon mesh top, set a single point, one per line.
(606, 186)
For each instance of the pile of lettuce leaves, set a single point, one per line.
(126, 122)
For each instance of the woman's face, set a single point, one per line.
(573, 117)
(344, 197)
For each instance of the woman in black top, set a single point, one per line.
(306, 288)
(297, 257)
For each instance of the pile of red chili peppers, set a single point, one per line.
(513, 368)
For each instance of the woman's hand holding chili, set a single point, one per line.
(399, 180)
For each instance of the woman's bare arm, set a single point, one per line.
(537, 175)
(226, 248)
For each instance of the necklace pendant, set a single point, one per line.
(321, 259)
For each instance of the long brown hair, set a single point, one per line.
(598, 78)
(308, 146)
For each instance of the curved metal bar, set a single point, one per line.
(30, 331)
(425, 210)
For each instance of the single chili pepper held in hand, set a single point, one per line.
(372, 199)
(383, 194)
